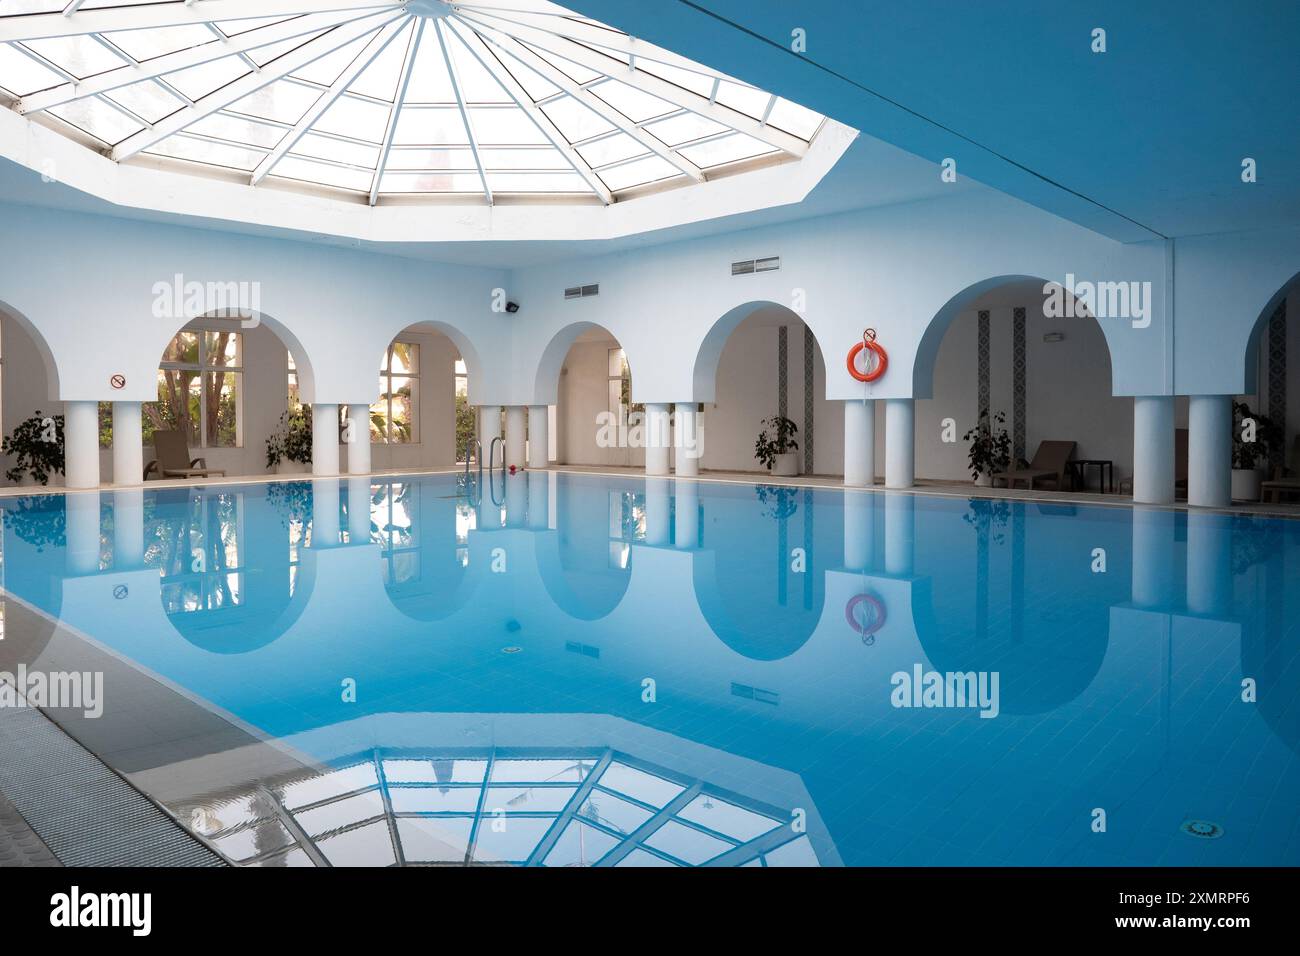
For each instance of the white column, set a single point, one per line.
(860, 443)
(81, 514)
(128, 528)
(539, 441)
(687, 515)
(859, 530)
(325, 440)
(1153, 449)
(325, 509)
(358, 441)
(515, 436)
(359, 506)
(128, 444)
(81, 444)
(1209, 451)
(658, 438)
(900, 443)
(900, 533)
(489, 427)
(1209, 564)
(657, 516)
(688, 441)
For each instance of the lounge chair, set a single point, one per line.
(1285, 480)
(1050, 462)
(174, 461)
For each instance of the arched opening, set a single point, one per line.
(1037, 364)
(585, 377)
(1271, 469)
(758, 361)
(421, 416)
(29, 380)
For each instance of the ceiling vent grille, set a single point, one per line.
(748, 267)
(581, 291)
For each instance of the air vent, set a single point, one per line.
(748, 267)
(581, 291)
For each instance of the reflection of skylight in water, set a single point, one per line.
(470, 100)
(585, 810)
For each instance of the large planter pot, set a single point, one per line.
(985, 480)
(786, 465)
(286, 467)
(1245, 484)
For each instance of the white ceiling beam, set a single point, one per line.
(571, 29)
(598, 62)
(181, 59)
(36, 26)
(464, 113)
(250, 83)
(478, 49)
(394, 114)
(376, 46)
(607, 112)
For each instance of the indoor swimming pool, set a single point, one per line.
(572, 669)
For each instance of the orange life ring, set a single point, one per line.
(870, 344)
(877, 618)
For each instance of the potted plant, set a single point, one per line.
(775, 448)
(288, 448)
(36, 447)
(1253, 438)
(990, 448)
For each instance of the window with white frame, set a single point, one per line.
(393, 419)
(200, 388)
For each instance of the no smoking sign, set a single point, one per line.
(118, 382)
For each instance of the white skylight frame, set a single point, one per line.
(552, 69)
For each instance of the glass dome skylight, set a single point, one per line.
(384, 100)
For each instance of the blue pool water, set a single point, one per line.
(574, 669)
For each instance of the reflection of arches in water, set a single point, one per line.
(1048, 639)
(586, 563)
(423, 548)
(749, 603)
(231, 580)
(1268, 648)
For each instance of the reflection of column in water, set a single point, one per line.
(516, 501)
(859, 530)
(1153, 562)
(128, 529)
(539, 498)
(358, 510)
(900, 521)
(324, 512)
(1209, 564)
(687, 514)
(83, 532)
(657, 511)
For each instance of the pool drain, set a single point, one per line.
(512, 649)
(1203, 829)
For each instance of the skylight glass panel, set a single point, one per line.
(686, 843)
(510, 88)
(98, 119)
(79, 55)
(291, 167)
(510, 844)
(434, 799)
(636, 105)
(726, 818)
(144, 45)
(434, 841)
(199, 81)
(20, 74)
(147, 100)
(684, 128)
(430, 127)
(281, 101)
(725, 149)
(580, 845)
(575, 121)
(612, 149)
(198, 150)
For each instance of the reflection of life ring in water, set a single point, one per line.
(869, 620)
(875, 369)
